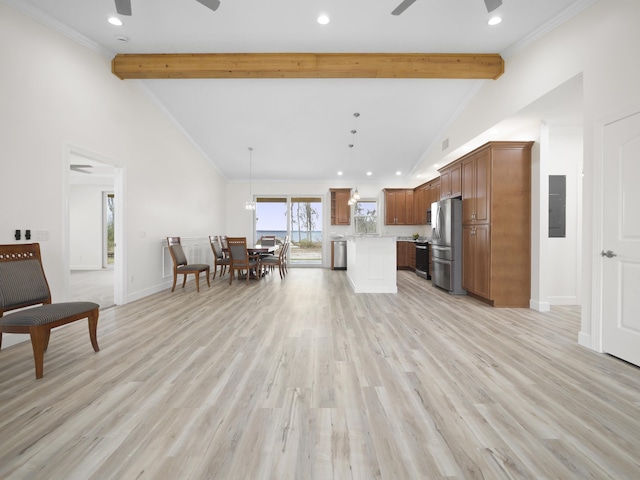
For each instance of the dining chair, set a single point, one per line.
(23, 284)
(240, 259)
(182, 267)
(220, 259)
(276, 261)
(285, 256)
(223, 242)
(268, 240)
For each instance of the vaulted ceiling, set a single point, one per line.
(300, 128)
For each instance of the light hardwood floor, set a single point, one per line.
(300, 378)
(92, 286)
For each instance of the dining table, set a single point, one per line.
(261, 249)
(255, 251)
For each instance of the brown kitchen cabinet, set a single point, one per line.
(451, 180)
(340, 209)
(496, 206)
(435, 190)
(420, 199)
(425, 195)
(476, 249)
(398, 206)
(406, 255)
(476, 188)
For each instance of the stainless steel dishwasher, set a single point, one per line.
(339, 255)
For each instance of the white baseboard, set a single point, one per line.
(584, 339)
(539, 306)
(10, 339)
(132, 297)
(568, 300)
(85, 267)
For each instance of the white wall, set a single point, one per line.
(63, 95)
(564, 278)
(85, 226)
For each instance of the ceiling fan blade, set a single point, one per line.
(402, 7)
(123, 7)
(492, 4)
(211, 4)
(80, 168)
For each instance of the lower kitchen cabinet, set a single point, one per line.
(476, 259)
(406, 255)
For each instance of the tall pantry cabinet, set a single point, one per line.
(496, 223)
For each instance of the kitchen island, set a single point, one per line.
(371, 263)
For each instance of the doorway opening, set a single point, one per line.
(109, 239)
(94, 220)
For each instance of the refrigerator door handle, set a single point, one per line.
(436, 226)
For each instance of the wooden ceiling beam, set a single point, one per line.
(308, 65)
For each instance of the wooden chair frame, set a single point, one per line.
(242, 262)
(25, 285)
(182, 267)
(220, 259)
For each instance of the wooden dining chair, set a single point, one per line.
(182, 267)
(225, 245)
(220, 259)
(268, 240)
(240, 259)
(23, 284)
(272, 261)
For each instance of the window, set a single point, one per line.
(365, 216)
(295, 217)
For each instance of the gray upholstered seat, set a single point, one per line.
(277, 261)
(220, 259)
(182, 267)
(47, 313)
(23, 284)
(240, 259)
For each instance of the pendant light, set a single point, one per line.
(250, 205)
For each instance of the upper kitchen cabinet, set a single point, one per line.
(420, 206)
(451, 180)
(340, 209)
(436, 188)
(425, 195)
(476, 187)
(398, 206)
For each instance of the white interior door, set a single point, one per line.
(621, 240)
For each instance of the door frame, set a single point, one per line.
(592, 318)
(105, 229)
(119, 267)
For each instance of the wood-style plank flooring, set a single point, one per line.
(302, 379)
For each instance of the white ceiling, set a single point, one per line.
(300, 129)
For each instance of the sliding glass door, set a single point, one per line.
(299, 218)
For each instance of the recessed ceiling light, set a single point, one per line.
(494, 20)
(398, 172)
(115, 21)
(436, 165)
(369, 174)
(339, 173)
(323, 19)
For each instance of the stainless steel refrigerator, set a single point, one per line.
(446, 245)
